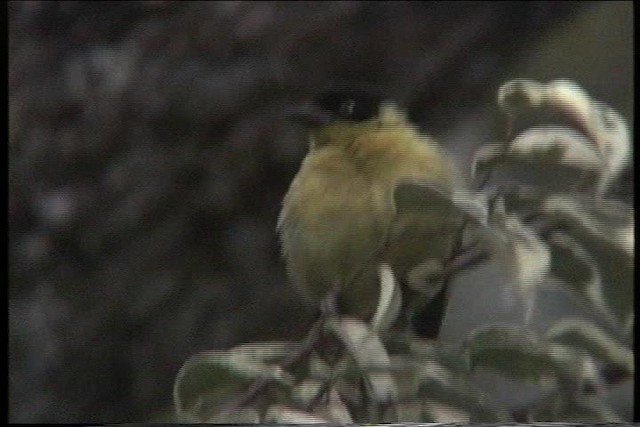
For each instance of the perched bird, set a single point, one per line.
(339, 219)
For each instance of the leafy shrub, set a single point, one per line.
(554, 226)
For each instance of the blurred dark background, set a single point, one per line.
(148, 155)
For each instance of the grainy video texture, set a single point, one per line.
(149, 155)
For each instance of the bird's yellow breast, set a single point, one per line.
(334, 215)
(339, 207)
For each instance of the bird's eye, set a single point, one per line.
(346, 108)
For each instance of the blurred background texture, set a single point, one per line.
(149, 154)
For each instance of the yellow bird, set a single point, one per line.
(339, 220)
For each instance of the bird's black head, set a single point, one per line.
(350, 103)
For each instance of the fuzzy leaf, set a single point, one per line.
(286, 415)
(443, 379)
(512, 352)
(487, 157)
(427, 278)
(240, 416)
(584, 335)
(569, 409)
(609, 220)
(526, 256)
(457, 394)
(417, 196)
(439, 412)
(370, 355)
(318, 368)
(556, 146)
(208, 380)
(578, 270)
(607, 130)
(605, 231)
(554, 158)
(389, 302)
(306, 391)
(335, 409)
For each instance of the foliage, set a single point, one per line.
(557, 228)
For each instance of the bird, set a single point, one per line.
(340, 220)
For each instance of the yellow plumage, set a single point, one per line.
(338, 220)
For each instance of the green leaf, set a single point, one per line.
(613, 138)
(563, 408)
(441, 412)
(607, 130)
(608, 220)
(441, 379)
(427, 278)
(578, 270)
(416, 196)
(459, 399)
(562, 95)
(307, 391)
(554, 158)
(240, 416)
(524, 254)
(584, 335)
(287, 415)
(204, 384)
(335, 409)
(605, 231)
(487, 157)
(412, 197)
(209, 380)
(513, 352)
(517, 354)
(318, 368)
(554, 145)
(262, 358)
(389, 302)
(366, 348)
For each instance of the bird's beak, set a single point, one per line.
(308, 115)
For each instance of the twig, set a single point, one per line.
(308, 343)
